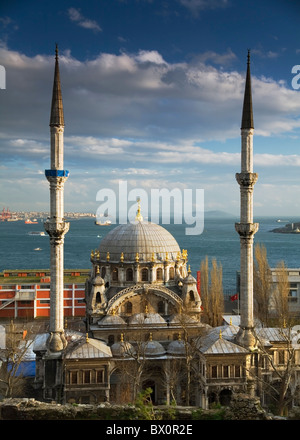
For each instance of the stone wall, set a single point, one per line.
(244, 407)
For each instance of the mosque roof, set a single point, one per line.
(88, 348)
(213, 345)
(148, 240)
(220, 340)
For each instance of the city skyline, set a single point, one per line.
(152, 95)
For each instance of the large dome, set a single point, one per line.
(146, 239)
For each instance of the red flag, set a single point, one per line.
(199, 282)
(234, 297)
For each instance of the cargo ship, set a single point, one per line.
(31, 222)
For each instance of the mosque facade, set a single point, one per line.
(143, 318)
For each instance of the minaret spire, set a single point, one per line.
(247, 116)
(246, 228)
(57, 112)
(56, 226)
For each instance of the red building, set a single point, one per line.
(26, 293)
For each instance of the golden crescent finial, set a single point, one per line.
(139, 217)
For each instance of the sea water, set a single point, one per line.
(219, 240)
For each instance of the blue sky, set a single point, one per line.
(152, 93)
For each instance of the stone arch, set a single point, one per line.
(124, 295)
(225, 396)
(120, 387)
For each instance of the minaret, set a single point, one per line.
(246, 228)
(56, 226)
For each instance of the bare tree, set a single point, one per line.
(262, 285)
(212, 292)
(280, 295)
(281, 382)
(12, 381)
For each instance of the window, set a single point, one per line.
(159, 274)
(86, 376)
(293, 293)
(145, 274)
(237, 371)
(103, 272)
(192, 296)
(73, 377)
(111, 339)
(214, 371)
(161, 307)
(226, 371)
(129, 274)
(99, 376)
(115, 274)
(128, 307)
(98, 297)
(171, 273)
(281, 357)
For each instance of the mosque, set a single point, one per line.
(143, 308)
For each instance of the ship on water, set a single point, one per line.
(106, 223)
(31, 222)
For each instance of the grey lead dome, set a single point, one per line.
(145, 238)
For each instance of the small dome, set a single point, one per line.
(111, 320)
(177, 348)
(146, 239)
(98, 281)
(189, 279)
(182, 319)
(147, 318)
(153, 348)
(121, 349)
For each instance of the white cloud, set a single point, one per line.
(194, 6)
(139, 117)
(76, 16)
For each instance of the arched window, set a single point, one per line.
(161, 307)
(115, 274)
(192, 295)
(103, 271)
(145, 274)
(98, 297)
(129, 274)
(159, 274)
(111, 339)
(128, 307)
(171, 273)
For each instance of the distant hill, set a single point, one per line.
(218, 214)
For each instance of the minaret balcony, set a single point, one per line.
(56, 229)
(246, 179)
(246, 229)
